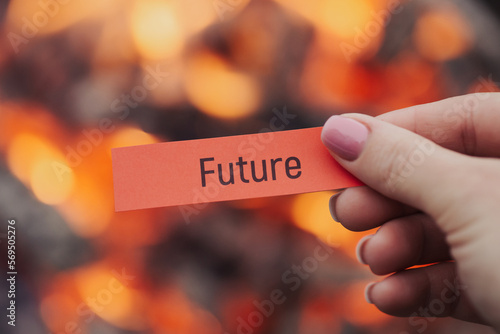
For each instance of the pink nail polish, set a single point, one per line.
(344, 136)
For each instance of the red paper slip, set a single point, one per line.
(225, 168)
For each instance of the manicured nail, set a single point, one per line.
(344, 136)
(368, 292)
(333, 202)
(361, 246)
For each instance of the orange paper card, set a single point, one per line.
(226, 168)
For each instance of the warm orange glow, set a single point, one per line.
(25, 150)
(329, 81)
(174, 313)
(217, 58)
(57, 309)
(338, 17)
(219, 91)
(110, 298)
(28, 119)
(355, 308)
(342, 17)
(47, 185)
(115, 45)
(442, 35)
(320, 314)
(194, 20)
(310, 212)
(38, 163)
(89, 210)
(423, 83)
(54, 16)
(156, 30)
(130, 136)
(126, 234)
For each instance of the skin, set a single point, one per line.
(444, 213)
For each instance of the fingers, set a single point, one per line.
(396, 162)
(467, 124)
(459, 192)
(403, 243)
(362, 208)
(431, 291)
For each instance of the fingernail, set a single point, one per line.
(368, 292)
(360, 247)
(344, 136)
(333, 202)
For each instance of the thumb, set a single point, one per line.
(460, 192)
(396, 162)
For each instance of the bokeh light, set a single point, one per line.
(156, 29)
(110, 298)
(442, 35)
(130, 136)
(41, 165)
(80, 83)
(311, 213)
(220, 91)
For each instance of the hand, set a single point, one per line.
(432, 175)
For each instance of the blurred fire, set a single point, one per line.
(230, 63)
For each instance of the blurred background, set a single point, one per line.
(78, 78)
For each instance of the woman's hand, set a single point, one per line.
(432, 175)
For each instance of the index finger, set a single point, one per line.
(467, 124)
